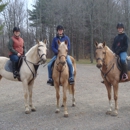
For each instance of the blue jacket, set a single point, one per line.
(54, 45)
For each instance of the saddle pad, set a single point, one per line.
(8, 66)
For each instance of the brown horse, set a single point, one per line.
(107, 62)
(61, 75)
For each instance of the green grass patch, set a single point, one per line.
(85, 61)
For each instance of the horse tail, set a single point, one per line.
(0, 77)
(74, 65)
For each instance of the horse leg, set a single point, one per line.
(64, 100)
(115, 90)
(73, 98)
(57, 97)
(30, 96)
(26, 94)
(108, 87)
(0, 77)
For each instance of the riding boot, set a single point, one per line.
(124, 67)
(15, 72)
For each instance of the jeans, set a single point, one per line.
(14, 58)
(123, 56)
(69, 65)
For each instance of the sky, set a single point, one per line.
(30, 3)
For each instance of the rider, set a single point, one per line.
(16, 48)
(120, 47)
(62, 37)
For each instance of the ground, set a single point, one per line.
(89, 113)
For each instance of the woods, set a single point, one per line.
(85, 21)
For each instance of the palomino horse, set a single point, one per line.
(61, 76)
(107, 62)
(35, 56)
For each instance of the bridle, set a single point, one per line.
(36, 65)
(97, 59)
(103, 61)
(60, 63)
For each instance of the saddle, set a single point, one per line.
(8, 65)
(119, 65)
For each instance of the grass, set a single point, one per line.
(81, 61)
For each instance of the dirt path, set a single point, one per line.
(89, 113)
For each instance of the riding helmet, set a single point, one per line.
(60, 27)
(16, 29)
(120, 25)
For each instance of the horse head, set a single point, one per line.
(100, 53)
(62, 52)
(42, 50)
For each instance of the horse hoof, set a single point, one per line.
(73, 105)
(62, 105)
(33, 109)
(65, 115)
(27, 111)
(108, 112)
(57, 111)
(114, 113)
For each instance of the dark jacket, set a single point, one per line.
(120, 43)
(55, 43)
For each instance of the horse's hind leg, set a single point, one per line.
(73, 98)
(108, 87)
(30, 96)
(26, 94)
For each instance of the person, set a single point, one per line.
(16, 48)
(120, 47)
(62, 37)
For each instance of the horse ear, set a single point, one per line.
(45, 41)
(96, 43)
(66, 42)
(58, 42)
(104, 44)
(37, 41)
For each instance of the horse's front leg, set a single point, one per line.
(65, 99)
(30, 96)
(108, 87)
(115, 90)
(57, 97)
(26, 94)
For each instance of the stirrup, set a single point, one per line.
(124, 76)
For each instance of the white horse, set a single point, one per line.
(34, 57)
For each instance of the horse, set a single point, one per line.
(61, 75)
(33, 58)
(107, 63)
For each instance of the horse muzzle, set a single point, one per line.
(99, 66)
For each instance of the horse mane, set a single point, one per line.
(32, 48)
(100, 46)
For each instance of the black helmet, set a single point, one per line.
(17, 29)
(120, 25)
(60, 27)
